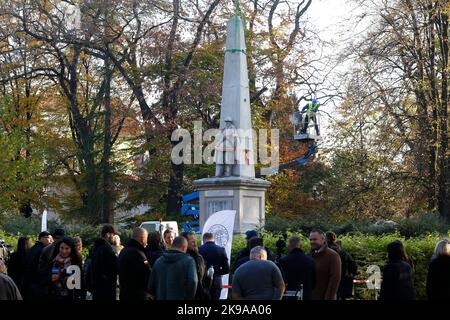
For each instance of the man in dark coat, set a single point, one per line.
(253, 242)
(45, 263)
(349, 268)
(249, 234)
(104, 266)
(215, 256)
(134, 268)
(174, 275)
(204, 282)
(32, 284)
(8, 289)
(298, 269)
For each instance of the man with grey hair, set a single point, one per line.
(258, 279)
(134, 268)
(174, 275)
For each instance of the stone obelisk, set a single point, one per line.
(235, 187)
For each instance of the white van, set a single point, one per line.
(160, 226)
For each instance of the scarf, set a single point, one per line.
(61, 264)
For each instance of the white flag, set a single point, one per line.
(44, 221)
(221, 225)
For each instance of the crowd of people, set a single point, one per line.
(151, 266)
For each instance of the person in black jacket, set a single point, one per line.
(298, 269)
(45, 262)
(250, 234)
(204, 283)
(438, 279)
(104, 266)
(398, 275)
(134, 268)
(154, 248)
(349, 268)
(215, 256)
(17, 263)
(253, 242)
(32, 284)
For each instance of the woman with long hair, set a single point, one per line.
(16, 264)
(154, 249)
(398, 274)
(65, 255)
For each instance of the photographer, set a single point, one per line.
(5, 251)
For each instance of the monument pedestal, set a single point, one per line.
(245, 195)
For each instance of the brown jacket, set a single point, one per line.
(328, 273)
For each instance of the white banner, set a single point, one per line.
(44, 221)
(221, 225)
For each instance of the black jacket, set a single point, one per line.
(438, 280)
(104, 264)
(204, 282)
(243, 258)
(298, 268)
(16, 269)
(215, 256)
(398, 281)
(243, 253)
(153, 254)
(349, 270)
(134, 272)
(32, 282)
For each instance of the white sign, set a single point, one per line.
(221, 225)
(44, 221)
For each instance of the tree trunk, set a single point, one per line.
(108, 215)
(443, 201)
(174, 189)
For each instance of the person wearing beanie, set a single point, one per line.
(101, 274)
(44, 259)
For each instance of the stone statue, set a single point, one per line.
(225, 153)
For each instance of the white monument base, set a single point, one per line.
(246, 196)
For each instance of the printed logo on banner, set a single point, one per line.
(220, 234)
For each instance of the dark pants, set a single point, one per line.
(104, 293)
(306, 122)
(216, 288)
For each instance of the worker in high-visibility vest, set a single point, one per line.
(310, 109)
